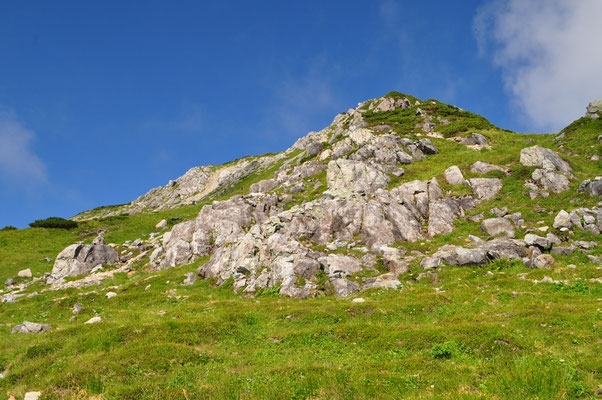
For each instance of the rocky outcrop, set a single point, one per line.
(79, 259)
(594, 109)
(347, 177)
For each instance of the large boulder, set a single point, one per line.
(79, 259)
(536, 156)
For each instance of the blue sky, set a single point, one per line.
(101, 101)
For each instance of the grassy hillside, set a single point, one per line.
(499, 331)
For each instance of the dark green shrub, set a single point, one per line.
(8, 228)
(54, 222)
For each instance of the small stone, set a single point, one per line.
(48, 259)
(32, 395)
(547, 279)
(543, 261)
(96, 269)
(162, 224)
(110, 295)
(10, 282)
(358, 300)
(94, 320)
(571, 266)
(147, 287)
(190, 279)
(77, 308)
(453, 175)
(25, 273)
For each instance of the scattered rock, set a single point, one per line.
(25, 273)
(32, 395)
(534, 240)
(344, 287)
(190, 279)
(481, 167)
(77, 308)
(10, 282)
(30, 327)
(542, 261)
(497, 226)
(162, 224)
(94, 320)
(453, 175)
(562, 220)
(593, 187)
(542, 157)
(358, 300)
(485, 188)
(110, 295)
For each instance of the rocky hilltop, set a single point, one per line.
(393, 183)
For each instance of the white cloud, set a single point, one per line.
(299, 102)
(18, 162)
(549, 53)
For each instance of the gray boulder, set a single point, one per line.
(426, 146)
(453, 175)
(481, 167)
(344, 287)
(31, 327)
(551, 180)
(485, 188)
(541, 242)
(594, 109)
(542, 157)
(593, 187)
(79, 259)
(497, 226)
(562, 220)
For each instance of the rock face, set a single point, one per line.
(345, 177)
(79, 259)
(30, 327)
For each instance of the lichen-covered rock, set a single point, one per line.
(593, 187)
(594, 109)
(562, 220)
(542, 157)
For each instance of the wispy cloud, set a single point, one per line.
(299, 101)
(190, 119)
(19, 164)
(548, 52)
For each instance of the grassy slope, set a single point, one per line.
(480, 335)
(467, 335)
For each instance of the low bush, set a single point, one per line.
(54, 222)
(8, 228)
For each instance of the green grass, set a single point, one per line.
(479, 336)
